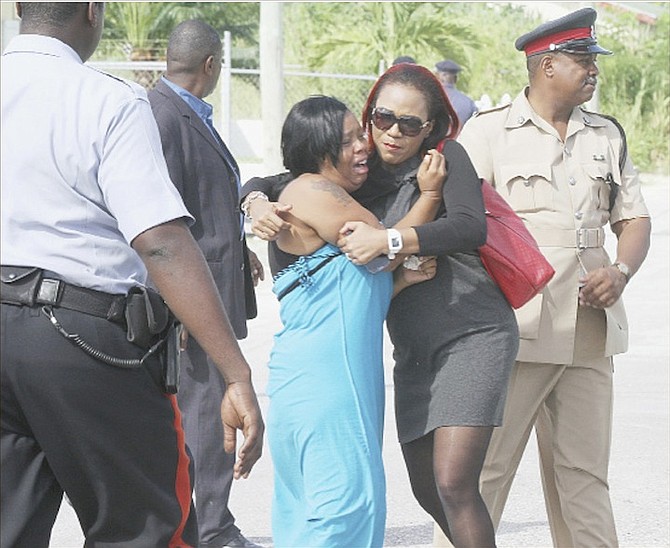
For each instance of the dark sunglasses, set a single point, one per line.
(409, 126)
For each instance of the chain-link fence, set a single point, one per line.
(237, 99)
(351, 89)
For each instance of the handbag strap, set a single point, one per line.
(296, 283)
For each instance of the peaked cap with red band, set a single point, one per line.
(572, 33)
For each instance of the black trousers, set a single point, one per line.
(106, 436)
(200, 393)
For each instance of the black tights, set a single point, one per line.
(450, 495)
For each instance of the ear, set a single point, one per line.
(94, 13)
(209, 64)
(547, 65)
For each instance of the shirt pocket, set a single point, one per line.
(602, 176)
(526, 187)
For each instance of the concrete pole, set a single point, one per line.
(9, 21)
(272, 84)
(225, 84)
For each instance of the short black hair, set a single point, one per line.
(48, 13)
(312, 133)
(190, 43)
(534, 62)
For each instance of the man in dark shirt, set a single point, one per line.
(447, 72)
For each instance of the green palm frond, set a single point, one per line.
(384, 30)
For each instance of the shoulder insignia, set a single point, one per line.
(607, 117)
(492, 109)
(623, 150)
(123, 81)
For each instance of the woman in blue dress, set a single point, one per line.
(326, 383)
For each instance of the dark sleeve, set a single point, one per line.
(462, 225)
(171, 141)
(271, 186)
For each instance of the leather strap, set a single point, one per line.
(58, 293)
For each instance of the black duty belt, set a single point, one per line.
(147, 325)
(81, 299)
(29, 287)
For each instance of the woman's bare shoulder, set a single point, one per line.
(313, 186)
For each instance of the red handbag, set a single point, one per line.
(511, 255)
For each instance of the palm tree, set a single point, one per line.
(360, 35)
(142, 27)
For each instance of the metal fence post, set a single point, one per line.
(225, 87)
(272, 83)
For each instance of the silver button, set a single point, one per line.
(567, 152)
(587, 120)
(520, 120)
(572, 181)
(579, 215)
(526, 182)
(12, 276)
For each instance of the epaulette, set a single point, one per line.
(493, 109)
(624, 145)
(123, 81)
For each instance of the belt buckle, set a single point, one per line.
(582, 238)
(49, 291)
(588, 237)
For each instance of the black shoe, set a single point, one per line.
(239, 541)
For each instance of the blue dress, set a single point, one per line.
(326, 389)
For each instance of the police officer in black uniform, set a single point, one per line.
(88, 211)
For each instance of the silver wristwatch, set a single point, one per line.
(624, 269)
(412, 262)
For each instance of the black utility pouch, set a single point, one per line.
(147, 316)
(170, 359)
(20, 284)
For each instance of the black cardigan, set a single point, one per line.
(460, 225)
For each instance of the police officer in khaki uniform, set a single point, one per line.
(558, 166)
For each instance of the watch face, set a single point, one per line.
(623, 268)
(412, 262)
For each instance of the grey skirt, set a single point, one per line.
(455, 341)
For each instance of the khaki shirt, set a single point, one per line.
(561, 192)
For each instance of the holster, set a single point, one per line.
(147, 316)
(149, 320)
(20, 284)
(170, 359)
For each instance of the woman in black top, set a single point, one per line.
(455, 337)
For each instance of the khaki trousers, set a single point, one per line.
(571, 409)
